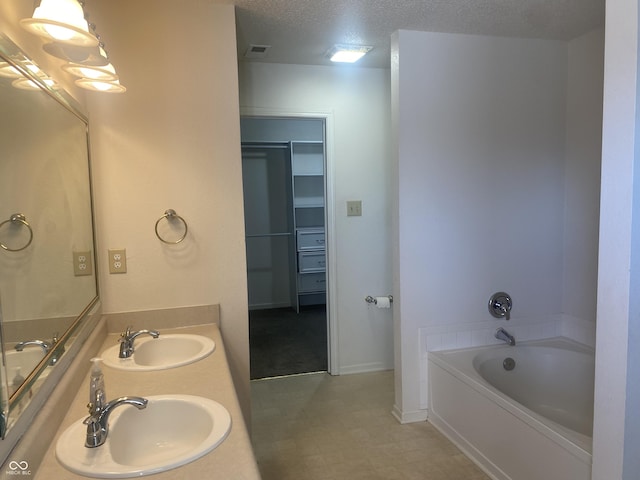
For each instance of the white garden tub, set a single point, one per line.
(529, 422)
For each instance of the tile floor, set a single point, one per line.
(319, 427)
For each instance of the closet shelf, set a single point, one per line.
(259, 235)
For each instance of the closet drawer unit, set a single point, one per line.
(311, 261)
(310, 239)
(311, 282)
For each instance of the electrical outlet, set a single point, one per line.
(354, 208)
(82, 263)
(118, 260)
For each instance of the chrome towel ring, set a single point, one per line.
(20, 220)
(171, 216)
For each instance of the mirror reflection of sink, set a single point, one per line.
(24, 362)
(172, 431)
(166, 351)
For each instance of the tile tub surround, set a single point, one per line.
(210, 378)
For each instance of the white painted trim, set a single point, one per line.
(363, 368)
(409, 417)
(331, 244)
(468, 449)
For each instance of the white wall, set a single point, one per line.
(172, 141)
(357, 100)
(480, 125)
(616, 422)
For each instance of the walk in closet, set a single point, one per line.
(283, 170)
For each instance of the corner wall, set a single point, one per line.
(582, 185)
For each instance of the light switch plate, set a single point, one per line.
(82, 263)
(354, 208)
(118, 260)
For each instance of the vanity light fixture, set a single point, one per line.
(106, 73)
(61, 21)
(93, 56)
(101, 85)
(28, 84)
(348, 53)
(9, 71)
(96, 78)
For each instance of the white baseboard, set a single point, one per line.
(409, 417)
(363, 368)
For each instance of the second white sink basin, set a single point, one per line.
(166, 351)
(171, 431)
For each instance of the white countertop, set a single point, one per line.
(209, 377)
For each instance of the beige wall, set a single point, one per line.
(172, 141)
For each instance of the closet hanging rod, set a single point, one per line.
(266, 145)
(255, 235)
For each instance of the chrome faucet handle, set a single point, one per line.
(127, 338)
(93, 432)
(58, 351)
(127, 332)
(500, 305)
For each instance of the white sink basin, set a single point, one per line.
(171, 431)
(166, 351)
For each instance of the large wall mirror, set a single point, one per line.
(47, 264)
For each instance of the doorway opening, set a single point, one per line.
(284, 188)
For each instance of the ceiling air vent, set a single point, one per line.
(257, 51)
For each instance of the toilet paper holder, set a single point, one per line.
(370, 299)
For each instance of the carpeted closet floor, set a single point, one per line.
(283, 342)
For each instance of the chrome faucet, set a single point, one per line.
(46, 346)
(127, 338)
(40, 343)
(98, 420)
(502, 334)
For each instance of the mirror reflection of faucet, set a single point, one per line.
(127, 338)
(40, 343)
(500, 305)
(46, 346)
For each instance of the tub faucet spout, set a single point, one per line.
(502, 334)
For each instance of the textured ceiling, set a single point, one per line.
(301, 31)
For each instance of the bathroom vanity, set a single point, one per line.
(208, 377)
